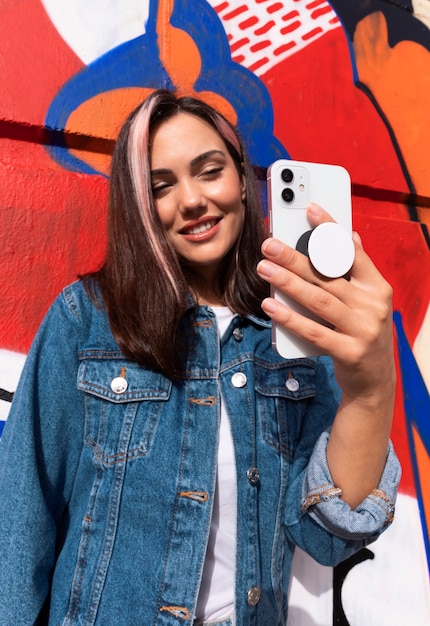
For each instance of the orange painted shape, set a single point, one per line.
(402, 94)
(102, 117)
(179, 54)
(181, 59)
(219, 103)
(423, 463)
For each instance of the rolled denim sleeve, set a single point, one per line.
(316, 518)
(321, 500)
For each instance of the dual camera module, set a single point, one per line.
(291, 185)
(287, 193)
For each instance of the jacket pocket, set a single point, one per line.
(283, 390)
(122, 407)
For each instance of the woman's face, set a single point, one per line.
(197, 191)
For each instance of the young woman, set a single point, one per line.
(161, 461)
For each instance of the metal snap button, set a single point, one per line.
(254, 595)
(119, 384)
(292, 384)
(253, 475)
(238, 379)
(238, 334)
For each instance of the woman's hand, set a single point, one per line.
(359, 309)
(360, 342)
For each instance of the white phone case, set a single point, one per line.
(292, 186)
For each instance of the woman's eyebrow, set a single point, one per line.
(160, 171)
(198, 159)
(205, 155)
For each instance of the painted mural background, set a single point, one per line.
(336, 82)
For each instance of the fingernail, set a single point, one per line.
(315, 209)
(357, 238)
(266, 268)
(269, 305)
(273, 247)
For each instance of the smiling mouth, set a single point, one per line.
(198, 229)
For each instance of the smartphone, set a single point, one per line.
(292, 186)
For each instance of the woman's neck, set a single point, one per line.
(209, 296)
(206, 291)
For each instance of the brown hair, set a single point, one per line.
(142, 283)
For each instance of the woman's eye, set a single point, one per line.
(159, 188)
(212, 172)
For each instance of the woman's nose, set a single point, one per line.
(191, 196)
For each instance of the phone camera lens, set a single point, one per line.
(287, 194)
(287, 175)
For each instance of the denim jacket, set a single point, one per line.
(107, 475)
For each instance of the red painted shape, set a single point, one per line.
(275, 7)
(260, 45)
(400, 438)
(237, 11)
(319, 12)
(312, 33)
(256, 66)
(291, 27)
(248, 23)
(265, 28)
(52, 220)
(35, 61)
(239, 44)
(398, 250)
(320, 115)
(53, 227)
(284, 48)
(290, 15)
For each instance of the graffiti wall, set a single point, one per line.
(337, 82)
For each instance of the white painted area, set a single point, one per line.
(311, 593)
(11, 364)
(93, 27)
(295, 26)
(422, 11)
(421, 348)
(393, 588)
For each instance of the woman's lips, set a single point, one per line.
(202, 230)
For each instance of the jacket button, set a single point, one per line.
(254, 595)
(292, 384)
(238, 379)
(253, 476)
(119, 384)
(238, 334)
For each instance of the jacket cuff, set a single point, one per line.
(321, 499)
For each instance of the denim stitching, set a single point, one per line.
(376, 496)
(181, 612)
(321, 494)
(138, 451)
(209, 401)
(197, 496)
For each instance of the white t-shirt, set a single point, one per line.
(216, 598)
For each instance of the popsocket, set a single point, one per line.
(331, 250)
